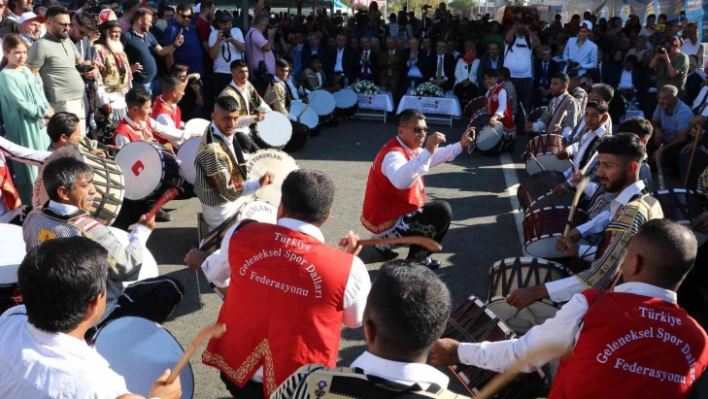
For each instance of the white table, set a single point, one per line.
(436, 109)
(375, 106)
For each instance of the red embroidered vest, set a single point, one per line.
(159, 108)
(284, 307)
(491, 105)
(8, 192)
(383, 202)
(126, 129)
(632, 346)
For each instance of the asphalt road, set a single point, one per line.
(483, 228)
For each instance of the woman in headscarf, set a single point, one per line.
(466, 74)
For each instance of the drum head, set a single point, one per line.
(141, 163)
(537, 185)
(140, 351)
(549, 162)
(345, 98)
(508, 275)
(550, 200)
(12, 252)
(536, 114)
(275, 130)
(187, 154)
(149, 266)
(489, 137)
(473, 107)
(543, 226)
(257, 210)
(277, 162)
(196, 125)
(322, 102)
(308, 116)
(521, 321)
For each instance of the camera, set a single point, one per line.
(82, 68)
(226, 33)
(661, 50)
(195, 81)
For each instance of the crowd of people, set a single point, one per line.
(80, 83)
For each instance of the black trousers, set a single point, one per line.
(432, 221)
(252, 390)
(523, 87)
(246, 142)
(221, 80)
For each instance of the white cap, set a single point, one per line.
(28, 16)
(586, 24)
(198, 8)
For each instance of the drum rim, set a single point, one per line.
(500, 298)
(189, 364)
(280, 116)
(540, 260)
(241, 209)
(546, 195)
(673, 190)
(159, 151)
(122, 182)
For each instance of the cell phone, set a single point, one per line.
(683, 15)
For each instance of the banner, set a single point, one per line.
(365, 4)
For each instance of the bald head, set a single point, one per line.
(661, 254)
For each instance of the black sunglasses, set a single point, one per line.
(185, 16)
(418, 129)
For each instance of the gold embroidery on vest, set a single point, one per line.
(262, 351)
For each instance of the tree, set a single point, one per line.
(463, 8)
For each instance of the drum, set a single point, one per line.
(140, 351)
(277, 162)
(108, 180)
(474, 322)
(681, 206)
(534, 116)
(300, 134)
(537, 185)
(549, 200)
(323, 103)
(12, 252)
(196, 125)
(542, 226)
(149, 267)
(274, 131)
(488, 138)
(149, 169)
(346, 102)
(248, 208)
(186, 155)
(521, 321)
(544, 148)
(473, 107)
(307, 114)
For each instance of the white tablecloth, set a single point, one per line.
(448, 105)
(376, 102)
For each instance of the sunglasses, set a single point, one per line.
(418, 129)
(185, 16)
(67, 25)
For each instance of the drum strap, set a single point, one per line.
(588, 152)
(558, 108)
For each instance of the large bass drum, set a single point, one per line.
(537, 185)
(12, 252)
(543, 226)
(306, 113)
(277, 162)
(541, 154)
(149, 169)
(274, 131)
(148, 269)
(323, 103)
(347, 103)
(473, 107)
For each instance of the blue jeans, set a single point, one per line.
(145, 86)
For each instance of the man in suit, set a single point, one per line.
(367, 65)
(629, 83)
(441, 67)
(414, 64)
(314, 48)
(544, 69)
(426, 47)
(341, 66)
(493, 59)
(390, 66)
(604, 73)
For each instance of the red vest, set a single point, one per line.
(384, 203)
(159, 108)
(284, 308)
(124, 128)
(491, 105)
(628, 348)
(8, 192)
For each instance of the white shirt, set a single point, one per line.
(171, 134)
(501, 97)
(439, 64)
(689, 48)
(221, 64)
(338, 64)
(366, 68)
(518, 59)
(400, 372)
(585, 54)
(217, 270)
(561, 331)
(578, 150)
(413, 70)
(245, 121)
(466, 72)
(562, 290)
(403, 173)
(36, 364)
(626, 80)
(538, 126)
(166, 120)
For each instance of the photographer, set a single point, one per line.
(671, 65)
(259, 49)
(225, 45)
(192, 102)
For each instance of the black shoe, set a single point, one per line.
(431, 263)
(162, 216)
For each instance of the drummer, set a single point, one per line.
(632, 342)
(620, 157)
(314, 78)
(563, 111)
(497, 103)
(394, 202)
(43, 352)
(599, 92)
(11, 209)
(69, 186)
(221, 166)
(251, 106)
(64, 129)
(165, 110)
(279, 95)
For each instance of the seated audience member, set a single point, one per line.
(544, 69)
(342, 62)
(43, 352)
(137, 125)
(492, 59)
(314, 78)
(441, 67)
(671, 124)
(694, 80)
(466, 83)
(390, 66)
(368, 63)
(407, 310)
(630, 80)
(414, 65)
(641, 313)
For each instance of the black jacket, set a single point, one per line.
(553, 67)
(323, 53)
(348, 60)
(485, 63)
(448, 68)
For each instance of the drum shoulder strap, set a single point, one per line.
(239, 161)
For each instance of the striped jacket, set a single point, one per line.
(558, 105)
(247, 105)
(219, 174)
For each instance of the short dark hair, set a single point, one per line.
(61, 123)
(86, 20)
(238, 64)
(491, 73)
(128, 6)
(626, 145)
(409, 305)
(563, 77)
(227, 103)
(136, 97)
(53, 11)
(409, 115)
(605, 91)
(170, 82)
(141, 13)
(506, 72)
(314, 58)
(183, 7)
(637, 125)
(494, 43)
(308, 195)
(59, 278)
(63, 172)
(282, 63)
(178, 68)
(674, 248)
(206, 5)
(600, 106)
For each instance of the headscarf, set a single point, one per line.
(468, 61)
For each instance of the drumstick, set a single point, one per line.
(213, 331)
(560, 122)
(576, 199)
(306, 106)
(536, 160)
(168, 196)
(659, 170)
(424, 242)
(699, 133)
